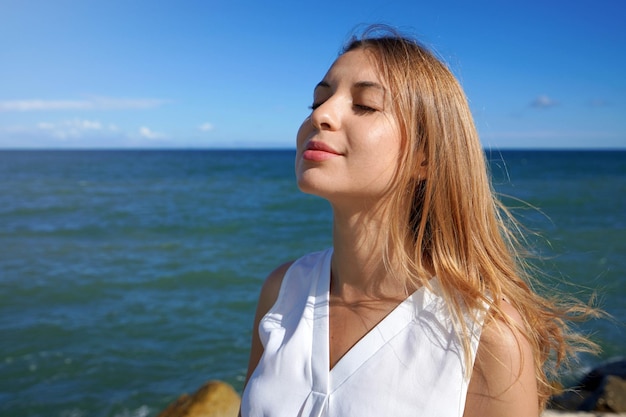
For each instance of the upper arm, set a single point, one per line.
(267, 298)
(503, 383)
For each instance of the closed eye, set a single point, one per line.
(360, 108)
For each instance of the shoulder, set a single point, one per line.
(500, 335)
(271, 288)
(267, 298)
(301, 274)
(503, 382)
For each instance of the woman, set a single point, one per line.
(421, 307)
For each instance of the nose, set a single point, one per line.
(326, 116)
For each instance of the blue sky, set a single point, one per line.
(202, 74)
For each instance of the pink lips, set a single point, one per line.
(318, 152)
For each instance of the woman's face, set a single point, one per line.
(347, 149)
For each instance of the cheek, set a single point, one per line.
(385, 148)
(393, 139)
(383, 139)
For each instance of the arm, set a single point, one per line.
(267, 298)
(503, 383)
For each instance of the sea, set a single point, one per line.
(128, 278)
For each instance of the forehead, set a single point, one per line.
(354, 66)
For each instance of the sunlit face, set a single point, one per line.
(347, 149)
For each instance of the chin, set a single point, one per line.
(307, 188)
(308, 184)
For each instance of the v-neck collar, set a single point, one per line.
(324, 380)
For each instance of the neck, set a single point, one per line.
(358, 268)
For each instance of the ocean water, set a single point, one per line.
(130, 277)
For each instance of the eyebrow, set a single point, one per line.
(322, 84)
(369, 84)
(359, 84)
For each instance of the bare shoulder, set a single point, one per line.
(498, 335)
(503, 382)
(271, 288)
(267, 298)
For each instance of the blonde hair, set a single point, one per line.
(451, 223)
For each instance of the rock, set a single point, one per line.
(614, 396)
(602, 389)
(213, 399)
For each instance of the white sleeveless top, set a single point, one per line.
(410, 364)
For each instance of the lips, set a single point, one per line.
(318, 152)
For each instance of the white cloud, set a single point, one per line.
(45, 126)
(92, 133)
(206, 127)
(34, 105)
(543, 102)
(93, 103)
(127, 103)
(71, 129)
(89, 125)
(147, 133)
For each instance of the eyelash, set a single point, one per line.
(364, 109)
(359, 107)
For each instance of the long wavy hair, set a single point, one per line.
(451, 223)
